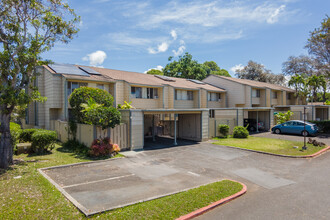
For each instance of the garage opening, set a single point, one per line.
(170, 130)
(257, 121)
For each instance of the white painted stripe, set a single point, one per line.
(195, 174)
(96, 181)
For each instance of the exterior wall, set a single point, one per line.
(189, 126)
(166, 97)
(268, 98)
(248, 96)
(184, 104)
(170, 97)
(120, 96)
(136, 127)
(234, 90)
(204, 102)
(205, 125)
(262, 98)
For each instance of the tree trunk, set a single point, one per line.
(6, 151)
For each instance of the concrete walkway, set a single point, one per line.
(149, 174)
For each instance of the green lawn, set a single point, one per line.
(33, 197)
(275, 146)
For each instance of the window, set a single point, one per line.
(190, 95)
(274, 95)
(100, 86)
(144, 93)
(152, 93)
(136, 92)
(74, 85)
(184, 95)
(256, 93)
(211, 113)
(214, 97)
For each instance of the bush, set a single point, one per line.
(76, 146)
(240, 132)
(26, 134)
(103, 147)
(43, 141)
(324, 126)
(15, 130)
(224, 130)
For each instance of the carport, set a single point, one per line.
(167, 126)
(260, 115)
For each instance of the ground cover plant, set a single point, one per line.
(269, 145)
(33, 197)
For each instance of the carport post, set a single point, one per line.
(257, 121)
(175, 143)
(153, 128)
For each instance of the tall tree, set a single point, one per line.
(318, 46)
(299, 65)
(185, 67)
(213, 68)
(258, 72)
(300, 84)
(314, 83)
(27, 29)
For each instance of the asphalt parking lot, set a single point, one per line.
(99, 186)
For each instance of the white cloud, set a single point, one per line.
(179, 51)
(96, 58)
(174, 35)
(160, 48)
(236, 67)
(159, 67)
(273, 18)
(128, 40)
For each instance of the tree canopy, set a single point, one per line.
(27, 29)
(318, 46)
(186, 67)
(258, 72)
(155, 72)
(299, 65)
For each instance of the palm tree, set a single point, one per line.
(314, 83)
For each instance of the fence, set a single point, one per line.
(87, 133)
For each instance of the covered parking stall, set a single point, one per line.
(261, 118)
(159, 127)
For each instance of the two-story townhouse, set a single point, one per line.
(164, 106)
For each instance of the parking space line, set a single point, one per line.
(96, 181)
(194, 174)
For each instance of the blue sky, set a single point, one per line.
(140, 35)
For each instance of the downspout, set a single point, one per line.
(236, 117)
(115, 95)
(130, 129)
(65, 100)
(163, 97)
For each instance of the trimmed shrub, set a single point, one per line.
(26, 134)
(43, 141)
(76, 146)
(324, 126)
(15, 130)
(224, 130)
(240, 132)
(103, 147)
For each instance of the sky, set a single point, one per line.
(141, 35)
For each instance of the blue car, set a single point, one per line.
(295, 127)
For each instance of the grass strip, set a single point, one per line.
(269, 145)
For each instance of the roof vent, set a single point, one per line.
(165, 78)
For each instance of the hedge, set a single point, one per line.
(26, 134)
(324, 126)
(240, 132)
(43, 141)
(224, 130)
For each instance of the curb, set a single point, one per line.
(215, 204)
(281, 155)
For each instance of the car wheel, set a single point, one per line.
(277, 131)
(304, 133)
(252, 129)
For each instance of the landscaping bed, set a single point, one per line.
(269, 145)
(24, 193)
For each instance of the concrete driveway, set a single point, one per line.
(105, 185)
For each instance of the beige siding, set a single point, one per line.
(234, 90)
(262, 97)
(205, 125)
(203, 97)
(248, 96)
(146, 103)
(189, 126)
(184, 104)
(166, 97)
(170, 97)
(268, 98)
(137, 136)
(120, 95)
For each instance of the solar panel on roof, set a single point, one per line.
(196, 81)
(89, 70)
(165, 78)
(67, 69)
